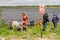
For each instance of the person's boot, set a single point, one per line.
(54, 28)
(24, 29)
(11, 27)
(43, 29)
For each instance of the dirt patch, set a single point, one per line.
(1, 38)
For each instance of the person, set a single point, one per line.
(25, 20)
(10, 26)
(45, 20)
(55, 20)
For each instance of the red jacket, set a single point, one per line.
(25, 19)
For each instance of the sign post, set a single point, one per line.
(41, 10)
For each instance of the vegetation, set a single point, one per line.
(33, 32)
(47, 6)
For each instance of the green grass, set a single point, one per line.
(31, 33)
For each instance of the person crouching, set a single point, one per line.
(25, 21)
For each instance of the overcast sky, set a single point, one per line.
(28, 2)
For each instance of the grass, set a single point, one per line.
(33, 32)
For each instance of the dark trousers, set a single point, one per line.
(55, 25)
(44, 26)
(24, 29)
(11, 27)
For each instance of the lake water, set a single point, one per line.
(10, 14)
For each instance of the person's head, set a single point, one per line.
(46, 12)
(54, 14)
(23, 14)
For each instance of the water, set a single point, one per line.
(10, 14)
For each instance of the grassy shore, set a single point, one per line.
(32, 33)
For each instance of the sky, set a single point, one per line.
(28, 2)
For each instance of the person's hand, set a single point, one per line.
(48, 21)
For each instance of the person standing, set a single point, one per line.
(25, 20)
(45, 20)
(55, 20)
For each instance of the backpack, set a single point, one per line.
(55, 19)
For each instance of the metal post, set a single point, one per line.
(41, 10)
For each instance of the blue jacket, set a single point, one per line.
(55, 18)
